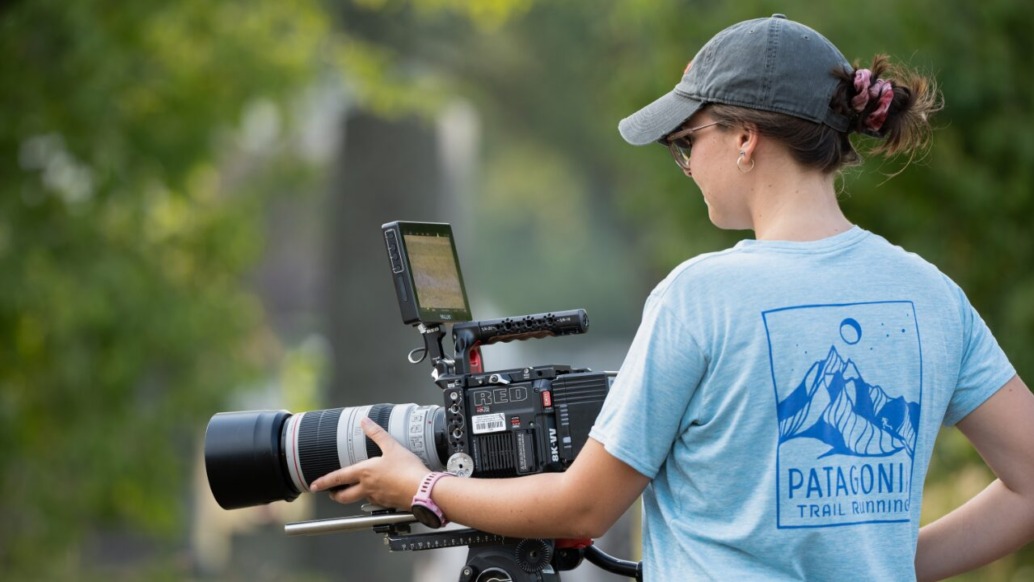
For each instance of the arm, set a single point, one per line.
(583, 501)
(1000, 519)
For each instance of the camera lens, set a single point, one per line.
(243, 458)
(257, 457)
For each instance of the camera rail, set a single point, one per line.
(338, 524)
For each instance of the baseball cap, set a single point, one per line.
(772, 64)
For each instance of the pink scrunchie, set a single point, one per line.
(881, 90)
(861, 87)
(884, 92)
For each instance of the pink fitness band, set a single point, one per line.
(424, 509)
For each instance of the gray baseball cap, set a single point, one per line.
(771, 64)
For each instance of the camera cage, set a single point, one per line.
(430, 292)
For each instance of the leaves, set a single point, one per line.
(123, 250)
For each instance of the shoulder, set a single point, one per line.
(704, 270)
(893, 256)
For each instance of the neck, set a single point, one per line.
(796, 205)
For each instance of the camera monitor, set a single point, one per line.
(426, 272)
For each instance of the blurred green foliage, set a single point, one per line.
(122, 247)
(125, 237)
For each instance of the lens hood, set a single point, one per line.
(244, 458)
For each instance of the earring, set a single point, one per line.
(740, 159)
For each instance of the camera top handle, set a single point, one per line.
(469, 336)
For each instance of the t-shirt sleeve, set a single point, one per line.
(984, 368)
(643, 413)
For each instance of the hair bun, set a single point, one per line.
(889, 102)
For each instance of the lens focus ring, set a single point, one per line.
(317, 443)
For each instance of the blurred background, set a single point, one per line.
(191, 196)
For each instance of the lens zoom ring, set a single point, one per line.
(317, 443)
(379, 413)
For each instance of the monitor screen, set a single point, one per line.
(436, 276)
(426, 272)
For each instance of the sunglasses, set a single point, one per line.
(680, 144)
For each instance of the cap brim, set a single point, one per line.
(658, 119)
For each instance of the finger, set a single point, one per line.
(350, 494)
(337, 479)
(375, 432)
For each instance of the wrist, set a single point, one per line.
(424, 509)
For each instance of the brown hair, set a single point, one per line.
(906, 129)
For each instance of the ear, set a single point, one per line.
(747, 140)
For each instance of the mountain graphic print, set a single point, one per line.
(848, 387)
(835, 405)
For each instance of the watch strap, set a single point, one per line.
(422, 500)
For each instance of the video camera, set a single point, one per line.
(503, 423)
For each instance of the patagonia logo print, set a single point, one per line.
(848, 383)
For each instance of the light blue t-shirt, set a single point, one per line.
(784, 398)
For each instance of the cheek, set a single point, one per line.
(701, 162)
(699, 171)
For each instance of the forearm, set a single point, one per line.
(540, 506)
(996, 522)
(1000, 519)
(582, 502)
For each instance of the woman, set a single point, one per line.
(778, 407)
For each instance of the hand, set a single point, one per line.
(390, 480)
